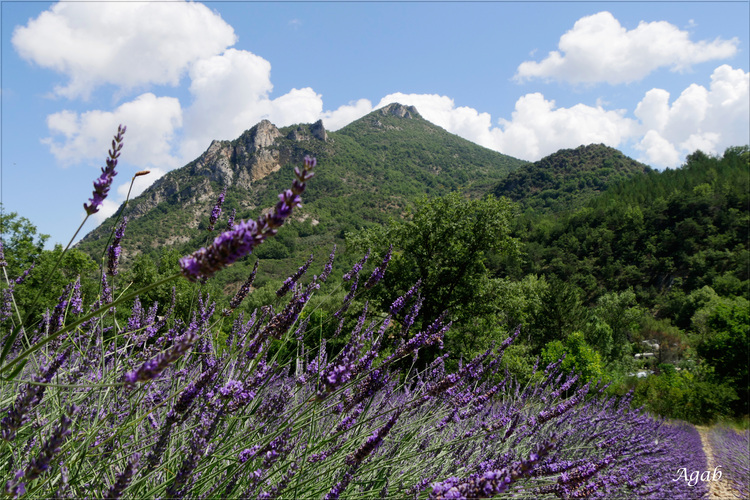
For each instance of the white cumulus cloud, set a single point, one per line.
(599, 49)
(126, 44)
(151, 122)
(710, 119)
(537, 126)
(347, 113)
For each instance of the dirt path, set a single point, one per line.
(718, 490)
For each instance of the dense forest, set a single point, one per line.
(642, 280)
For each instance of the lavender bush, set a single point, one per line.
(732, 451)
(160, 407)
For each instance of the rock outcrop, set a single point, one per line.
(400, 110)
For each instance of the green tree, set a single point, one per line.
(24, 247)
(612, 323)
(726, 345)
(446, 243)
(562, 313)
(21, 242)
(579, 356)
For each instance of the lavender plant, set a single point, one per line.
(732, 452)
(157, 407)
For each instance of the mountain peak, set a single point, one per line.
(400, 111)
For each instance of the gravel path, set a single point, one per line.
(718, 490)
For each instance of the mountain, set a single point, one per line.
(368, 171)
(568, 178)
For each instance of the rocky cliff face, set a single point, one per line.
(236, 165)
(400, 111)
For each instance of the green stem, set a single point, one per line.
(52, 272)
(82, 320)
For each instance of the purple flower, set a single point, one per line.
(30, 395)
(379, 271)
(399, 303)
(3, 263)
(216, 212)
(244, 289)
(104, 182)
(230, 219)
(357, 267)
(188, 395)
(347, 300)
(115, 248)
(232, 245)
(339, 487)
(372, 442)
(292, 280)
(41, 463)
(236, 393)
(123, 479)
(328, 267)
(493, 482)
(153, 367)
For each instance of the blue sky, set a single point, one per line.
(656, 80)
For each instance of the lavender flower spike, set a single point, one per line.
(153, 367)
(292, 280)
(123, 479)
(103, 183)
(232, 245)
(41, 463)
(216, 212)
(379, 271)
(115, 249)
(243, 291)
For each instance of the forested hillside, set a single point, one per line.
(645, 285)
(568, 178)
(675, 243)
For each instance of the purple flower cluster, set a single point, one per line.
(104, 182)
(379, 271)
(491, 483)
(42, 462)
(115, 248)
(216, 212)
(30, 395)
(244, 289)
(153, 367)
(731, 450)
(292, 280)
(232, 245)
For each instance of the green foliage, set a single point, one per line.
(562, 313)
(21, 243)
(579, 357)
(682, 395)
(519, 361)
(520, 302)
(726, 345)
(146, 271)
(612, 323)
(445, 243)
(23, 247)
(567, 178)
(654, 233)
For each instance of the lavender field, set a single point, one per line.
(163, 406)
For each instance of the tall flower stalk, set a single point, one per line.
(232, 245)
